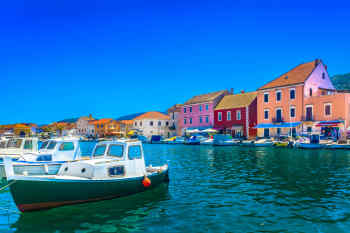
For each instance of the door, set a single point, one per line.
(309, 113)
(136, 164)
(266, 133)
(279, 115)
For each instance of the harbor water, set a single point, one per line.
(214, 189)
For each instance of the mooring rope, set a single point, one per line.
(8, 185)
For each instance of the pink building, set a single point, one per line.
(302, 100)
(198, 112)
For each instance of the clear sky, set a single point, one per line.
(63, 59)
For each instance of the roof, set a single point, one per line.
(297, 75)
(101, 121)
(175, 108)
(127, 122)
(237, 100)
(153, 115)
(205, 97)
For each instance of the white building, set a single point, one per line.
(83, 126)
(153, 123)
(174, 112)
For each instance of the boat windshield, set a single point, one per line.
(134, 152)
(100, 150)
(14, 143)
(51, 145)
(116, 151)
(43, 146)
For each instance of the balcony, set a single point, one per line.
(277, 120)
(308, 118)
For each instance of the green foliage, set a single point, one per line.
(341, 82)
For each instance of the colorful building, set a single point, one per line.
(106, 127)
(173, 113)
(236, 114)
(153, 123)
(198, 112)
(83, 126)
(303, 100)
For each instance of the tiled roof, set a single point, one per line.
(175, 108)
(236, 101)
(296, 75)
(101, 121)
(205, 97)
(153, 115)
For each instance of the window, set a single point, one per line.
(266, 114)
(200, 108)
(44, 145)
(190, 120)
(66, 146)
(151, 123)
(292, 112)
(173, 116)
(190, 109)
(101, 125)
(14, 143)
(238, 115)
(310, 92)
(323, 75)
(278, 96)
(185, 110)
(2, 144)
(159, 123)
(135, 123)
(116, 151)
(140, 123)
(167, 123)
(100, 150)
(116, 171)
(292, 94)
(278, 131)
(327, 110)
(185, 121)
(206, 119)
(206, 107)
(228, 115)
(134, 152)
(279, 115)
(28, 145)
(266, 97)
(219, 116)
(200, 119)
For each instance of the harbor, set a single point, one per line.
(223, 189)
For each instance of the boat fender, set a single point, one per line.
(146, 182)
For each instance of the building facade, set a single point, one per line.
(83, 128)
(173, 113)
(300, 101)
(153, 123)
(198, 112)
(236, 114)
(106, 127)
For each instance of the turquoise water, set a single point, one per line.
(215, 189)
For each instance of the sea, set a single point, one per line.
(214, 189)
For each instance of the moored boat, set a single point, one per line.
(117, 168)
(263, 143)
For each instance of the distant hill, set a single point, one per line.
(129, 117)
(70, 120)
(341, 81)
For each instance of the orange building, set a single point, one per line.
(106, 127)
(303, 100)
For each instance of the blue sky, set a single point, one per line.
(111, 58)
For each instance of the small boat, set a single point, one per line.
(117, 168)
(263, 143)
(337, 145)
(52, 154)
(224, 140)
(176, 140)
(283, 144)
(207, 141)
(312, 143)
(193, 140)
(156, 139)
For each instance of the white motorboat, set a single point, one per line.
(263, 143)
(16, 147)
(310, 143)
(248, 143)
(116, 168)
(224, 140)
(207, 141)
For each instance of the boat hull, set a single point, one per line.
(35, 193)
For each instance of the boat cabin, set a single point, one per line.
(59, 149)
(110, 159)
(16, 147)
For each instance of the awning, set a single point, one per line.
(281, 125)
(329, 123)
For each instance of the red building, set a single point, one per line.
(237, 115)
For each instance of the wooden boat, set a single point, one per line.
(283, 144)
(177, 140)
(52, 154)
(117, 168)
(312, 143)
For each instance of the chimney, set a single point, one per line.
(317, 61)
(242, 91)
